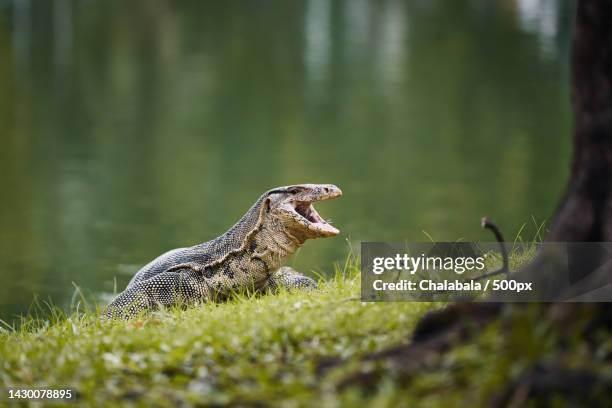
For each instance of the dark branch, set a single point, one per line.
(487, 224)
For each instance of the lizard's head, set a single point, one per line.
(292, 206)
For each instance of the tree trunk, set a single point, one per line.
(585, 213)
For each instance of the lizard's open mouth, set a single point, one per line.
(308, 212)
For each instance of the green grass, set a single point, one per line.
(246, 351)
(269, 350)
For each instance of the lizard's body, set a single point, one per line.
(249, 255)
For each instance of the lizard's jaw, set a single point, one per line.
(313, 220)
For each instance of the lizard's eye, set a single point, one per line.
(293, 190)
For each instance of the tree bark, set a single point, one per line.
(585, 213)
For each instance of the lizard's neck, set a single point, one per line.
(273, 244)
(264, 251)
(256, 246)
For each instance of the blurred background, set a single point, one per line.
(130, 128)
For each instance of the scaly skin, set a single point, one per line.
(248, 256)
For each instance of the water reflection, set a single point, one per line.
(317, 35)
(393, 45)
(541, 17)
(131, 128)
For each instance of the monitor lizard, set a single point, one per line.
(249, 255)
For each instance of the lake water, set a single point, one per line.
(130, 128)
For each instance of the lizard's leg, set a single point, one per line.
(166, 289)
(288, 278)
